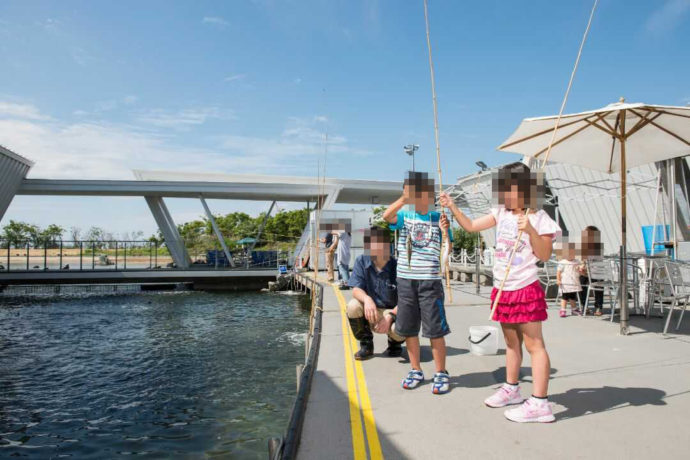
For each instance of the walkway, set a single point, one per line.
(614, 397)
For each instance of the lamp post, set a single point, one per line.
(410, 149)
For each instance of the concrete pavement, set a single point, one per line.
(613, 396)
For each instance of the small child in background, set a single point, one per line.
(568, 279)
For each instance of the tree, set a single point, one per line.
(51, 234)
(75, 233)
(464, 240)
(19, 233)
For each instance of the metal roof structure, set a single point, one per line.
(13, 168)
(221, 186)
(587, 197)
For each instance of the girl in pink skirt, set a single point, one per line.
(522, 306)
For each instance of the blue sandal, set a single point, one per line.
(441, 384)
(413, 379)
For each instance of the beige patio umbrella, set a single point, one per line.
(610, 139)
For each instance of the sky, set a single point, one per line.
(97, 89)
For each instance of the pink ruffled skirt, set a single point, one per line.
(522, 306)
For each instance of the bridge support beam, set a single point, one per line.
(216, 230)
(169, 230)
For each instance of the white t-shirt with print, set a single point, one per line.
(570, 275)
(524, 266)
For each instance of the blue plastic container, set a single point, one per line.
(661, 231)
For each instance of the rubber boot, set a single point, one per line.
(362, 332)
(394, 349)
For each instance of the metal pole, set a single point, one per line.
(9, 247)
(155, 255)
(674, 206)
(413, 161)
(478, 262)
(150, 257)
(81, 255)
(60, 255)
(624, 265)
(45, 254)
(125, 255)
(27, 256)
(116, 255)
(93, 255)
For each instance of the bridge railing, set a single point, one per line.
(119, 255)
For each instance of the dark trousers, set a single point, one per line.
(598, 295)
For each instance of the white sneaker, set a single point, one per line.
(505, 396)
(532, 410)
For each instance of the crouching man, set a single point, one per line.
(374, 295)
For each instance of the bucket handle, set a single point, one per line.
(480, 340)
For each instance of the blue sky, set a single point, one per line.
(96, 89)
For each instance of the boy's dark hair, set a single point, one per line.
(530, 185)
(376, 234)
(592, 228)
(420, 181)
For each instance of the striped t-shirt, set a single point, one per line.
(425, 237)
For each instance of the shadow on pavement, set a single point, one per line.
(487, 379)
(586, 401)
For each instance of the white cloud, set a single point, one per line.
(23, 111)
(235, 77)
(215, 20)
(668, 16)
(182, 119)
(103, 150)
(301, 138)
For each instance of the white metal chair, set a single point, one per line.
(602, 278)
(677, 276)
(547, 275)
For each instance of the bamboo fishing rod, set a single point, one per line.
(445, 241)
(546, 156)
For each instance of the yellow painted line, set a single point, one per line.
(367, 412)
(358, 448)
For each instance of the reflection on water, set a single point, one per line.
(176, 375)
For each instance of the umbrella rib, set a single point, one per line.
(670, 133)
(644, 121)
(669, 113)
(537, 134)
(593, 123)
(577, 131)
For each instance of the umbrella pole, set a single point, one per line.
(624, 258)
(674, 216)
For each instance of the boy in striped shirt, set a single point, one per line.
(420, 287)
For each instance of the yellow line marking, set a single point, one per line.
(358, 448)
(367, 412)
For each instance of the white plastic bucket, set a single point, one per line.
(483, 340)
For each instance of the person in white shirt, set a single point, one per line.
(568, 279)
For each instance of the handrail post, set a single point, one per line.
(125, 255)
(81, 255)
(9, 244)
(150, 257)
(60, 263)
(93, 255)
(27, 256)
(116, 255)
(45, 254)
